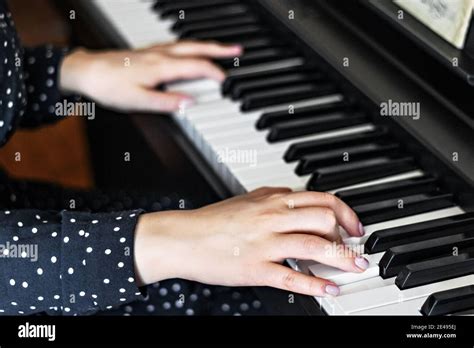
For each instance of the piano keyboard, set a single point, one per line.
(281, 107)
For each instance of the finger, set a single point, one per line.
(311, 247)
(154, 101)
(346, 217)
(190, 68)
(284, 278)
(203, 49)
(321, 221)
(263, 191)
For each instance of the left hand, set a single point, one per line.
(127, 80)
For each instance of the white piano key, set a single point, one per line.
(135, 22)
(341, 277)
(411, 308)
(366, 284)
(391, 294)
(194, 88)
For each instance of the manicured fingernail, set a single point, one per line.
(332, 290)
(237, 48)
(361, 229)
(361, 262)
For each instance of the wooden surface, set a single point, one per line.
(57, 153)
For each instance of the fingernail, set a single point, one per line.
(332, 290)
(361, 229)
(361, 262)
(237, 48)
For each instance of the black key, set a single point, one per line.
(397, 257)
(171, 8)
(259, 42)
(257, 57)
(233, 34)
(208, 14)
(369, 194)
(196, 10)
(382, 240)
(272, 118)
(449, 302)
(288, 94)
(159, 4)
(298, 150)
(187, 30)
(435, 270)
(309, 163)
(372, 213)
(243, 88)
(232, 80)
(308, 126)
(329, 178)
(182, 23)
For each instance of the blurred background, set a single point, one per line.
(58, 153)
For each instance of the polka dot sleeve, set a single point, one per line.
(66, 263)
(41, 71)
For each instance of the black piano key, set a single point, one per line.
(189, 29)
(232, 34)
(329, 178)
(298, 150)
(369, 194)
(280, 96)
(260, 42)
(382, 240)
(243, 88)
(309, 163)
(188, 4)
(182, 23)
(208, 14)
(270, 119)
(301, 127)
(449, 301)
(435, 270)
(258, 56)
(397, 257)
(232, 80)
(174, 10)
(373, 213)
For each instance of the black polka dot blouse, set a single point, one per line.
(65, 263)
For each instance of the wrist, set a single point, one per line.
(158, 247)
(75, 70)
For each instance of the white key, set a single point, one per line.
(391, 294)
(411, 308)
(341, 277)
(135, 22)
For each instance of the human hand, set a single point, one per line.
(243, 241)
(127, 80)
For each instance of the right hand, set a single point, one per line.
(243, 241)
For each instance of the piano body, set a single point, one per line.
(334, 96)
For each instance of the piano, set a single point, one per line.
(334, 96)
